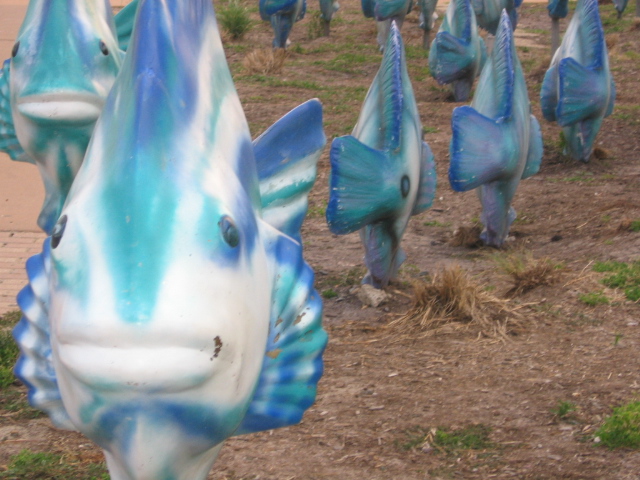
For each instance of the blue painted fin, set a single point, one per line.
(286, 157)
(32, 334)
(388, 8)
(534, 155)
(390, 78)
(428, 181)
(549, 94)
(581, 92)
(612, 98)
(292, 364)
(368, 7)
(359, 193)
(383, 255)
(125, 20)
(503, 65)
(558, 8)
(476, 149)
(591, 33)
(448, 57)
(272, 7)
(8, 139)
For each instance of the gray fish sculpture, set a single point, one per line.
(53, 89)
(166, 313)
(282, 14)
(488, 13)
(458, 53)
(496, 141)
(383, 173)
(578, 90)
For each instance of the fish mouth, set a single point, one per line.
(72, 107)
(173, 368)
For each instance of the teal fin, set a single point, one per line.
(8, 140)
(358, 191)
(503, 66)
(286, 157)
(428, 181)
(549, 94)
(534, 156)
(612, 99)
(292, 364)
(476, 149)
(581, 94)
(448, 58)
(383, 255)
(124, 20)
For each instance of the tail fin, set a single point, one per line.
(428, 181)
(549, 94)
(286, 157)
(359, 191)
(478, 149)
(582, 93)
(449, 58)
(534, 155)
(32, 334)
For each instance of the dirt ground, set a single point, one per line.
(384, 391)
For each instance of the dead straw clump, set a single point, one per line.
(264, 61)
(528, 272)
(468, 237)
(452, 300)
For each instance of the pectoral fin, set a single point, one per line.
(428, 181)
(292, 364)
(534, 157)
(286, 157)
(477, 149)
(8, 140)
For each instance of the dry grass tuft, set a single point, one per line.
(635, 25)
(612, 40)
(601, 153)
(265, 61)
(467, 237)
(453, 300)
(528, 272)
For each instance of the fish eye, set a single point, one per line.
(405, 184)
(229, 231)
(58, 230)
(14, 50)
(103, 48)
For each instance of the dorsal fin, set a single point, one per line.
(390, 78)
(591, 34)
(503, 65)
(461, 25)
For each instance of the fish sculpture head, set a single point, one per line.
(63, 64)
(163, 272)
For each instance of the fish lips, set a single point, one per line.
(65, 107)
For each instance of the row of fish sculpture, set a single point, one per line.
(171, 307)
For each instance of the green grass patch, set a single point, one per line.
(234, 19)
(8, 355)
(430, 129)
(622, 428)
(564, 410)
(435, 223)
(594, 298)
(9, 319)
(625, 276)
(329, 293)
(31, 465)
(448, 441)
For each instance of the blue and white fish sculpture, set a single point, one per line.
(426, 20)
(385, 12)
(327, 9)
(383, 173)
(578, 90)
(178, 316)
(52, 90)
(496, 141)
(488, 13)
(282, 14)
(458, 53)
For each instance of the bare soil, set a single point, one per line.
(384, 390)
